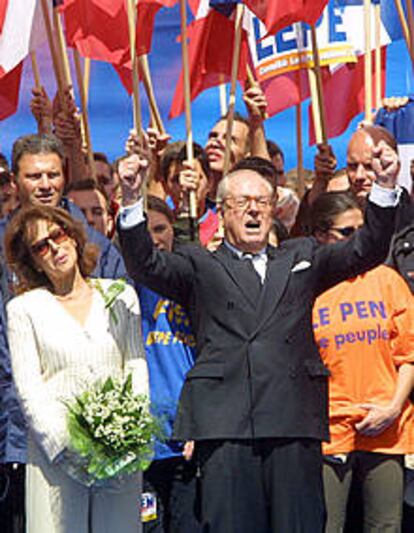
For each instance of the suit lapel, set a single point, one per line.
(278, 270)
(239, 272)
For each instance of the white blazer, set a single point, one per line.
(54, 357)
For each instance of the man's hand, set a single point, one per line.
(152, 140)
(189, 178)
(132, 172)
(325, 162)
(377, 419)
(68, 129)
(189, 181)
(66, 120)
(385, 164)
(42, 110)
(157, 142)
(395, 102)
(188, 450)
(64, 102)
(256, 103)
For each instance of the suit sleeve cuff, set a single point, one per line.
(385, 197)
(132, 215)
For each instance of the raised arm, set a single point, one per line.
(68, 129)
(169, 274)
(256, 105)
(42, 110)
(370, 245)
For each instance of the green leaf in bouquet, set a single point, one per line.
(114, 290)
(80, 436)
(127, 387)
(111, 294)
(108, 385)
(118, 435)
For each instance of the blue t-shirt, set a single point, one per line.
(169, 345)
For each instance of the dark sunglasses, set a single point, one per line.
(346, 231)
(42, 247)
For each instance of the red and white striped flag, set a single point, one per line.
(21, 30)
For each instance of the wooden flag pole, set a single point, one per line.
(64, 61)
(405, 29)
(315, 82)
(299, 128)
(299, 150)
(234, 71)
(85, 118)
(35, 70)
(57, 67)
(86, 84)
(378, 65)
(315, 105)
(187, 104)
(368, 61)
(87, 78)
(132, 18)
(61, 49)
(250, 77)
(149, 89)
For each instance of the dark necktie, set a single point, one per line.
(254, 277)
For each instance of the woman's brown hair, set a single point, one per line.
(18, 253)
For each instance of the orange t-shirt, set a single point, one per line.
(365, 330)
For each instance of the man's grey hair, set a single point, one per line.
(223, 186)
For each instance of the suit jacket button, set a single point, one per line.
(293, 373)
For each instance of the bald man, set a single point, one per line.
(364, 144)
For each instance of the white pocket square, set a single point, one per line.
(302, 265)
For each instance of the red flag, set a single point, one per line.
(285, 90)
(9, 91)
(3, 9)
(125, 75)
(277, 14)
(99, 28)
(344, 94)
(210, 52)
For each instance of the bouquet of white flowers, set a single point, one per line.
(112, 429)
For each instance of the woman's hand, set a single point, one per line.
(378, 419)
(75, 467)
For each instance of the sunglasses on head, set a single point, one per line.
(42, 247)
(346, 231)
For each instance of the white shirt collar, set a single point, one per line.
(240, 253)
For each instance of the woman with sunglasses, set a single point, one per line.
(365, 331)
(63, 340)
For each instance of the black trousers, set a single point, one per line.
(173, 483)
(12, 512)
(261, 486)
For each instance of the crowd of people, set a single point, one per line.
(273, 331)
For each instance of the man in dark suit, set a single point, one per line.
(255, 402)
